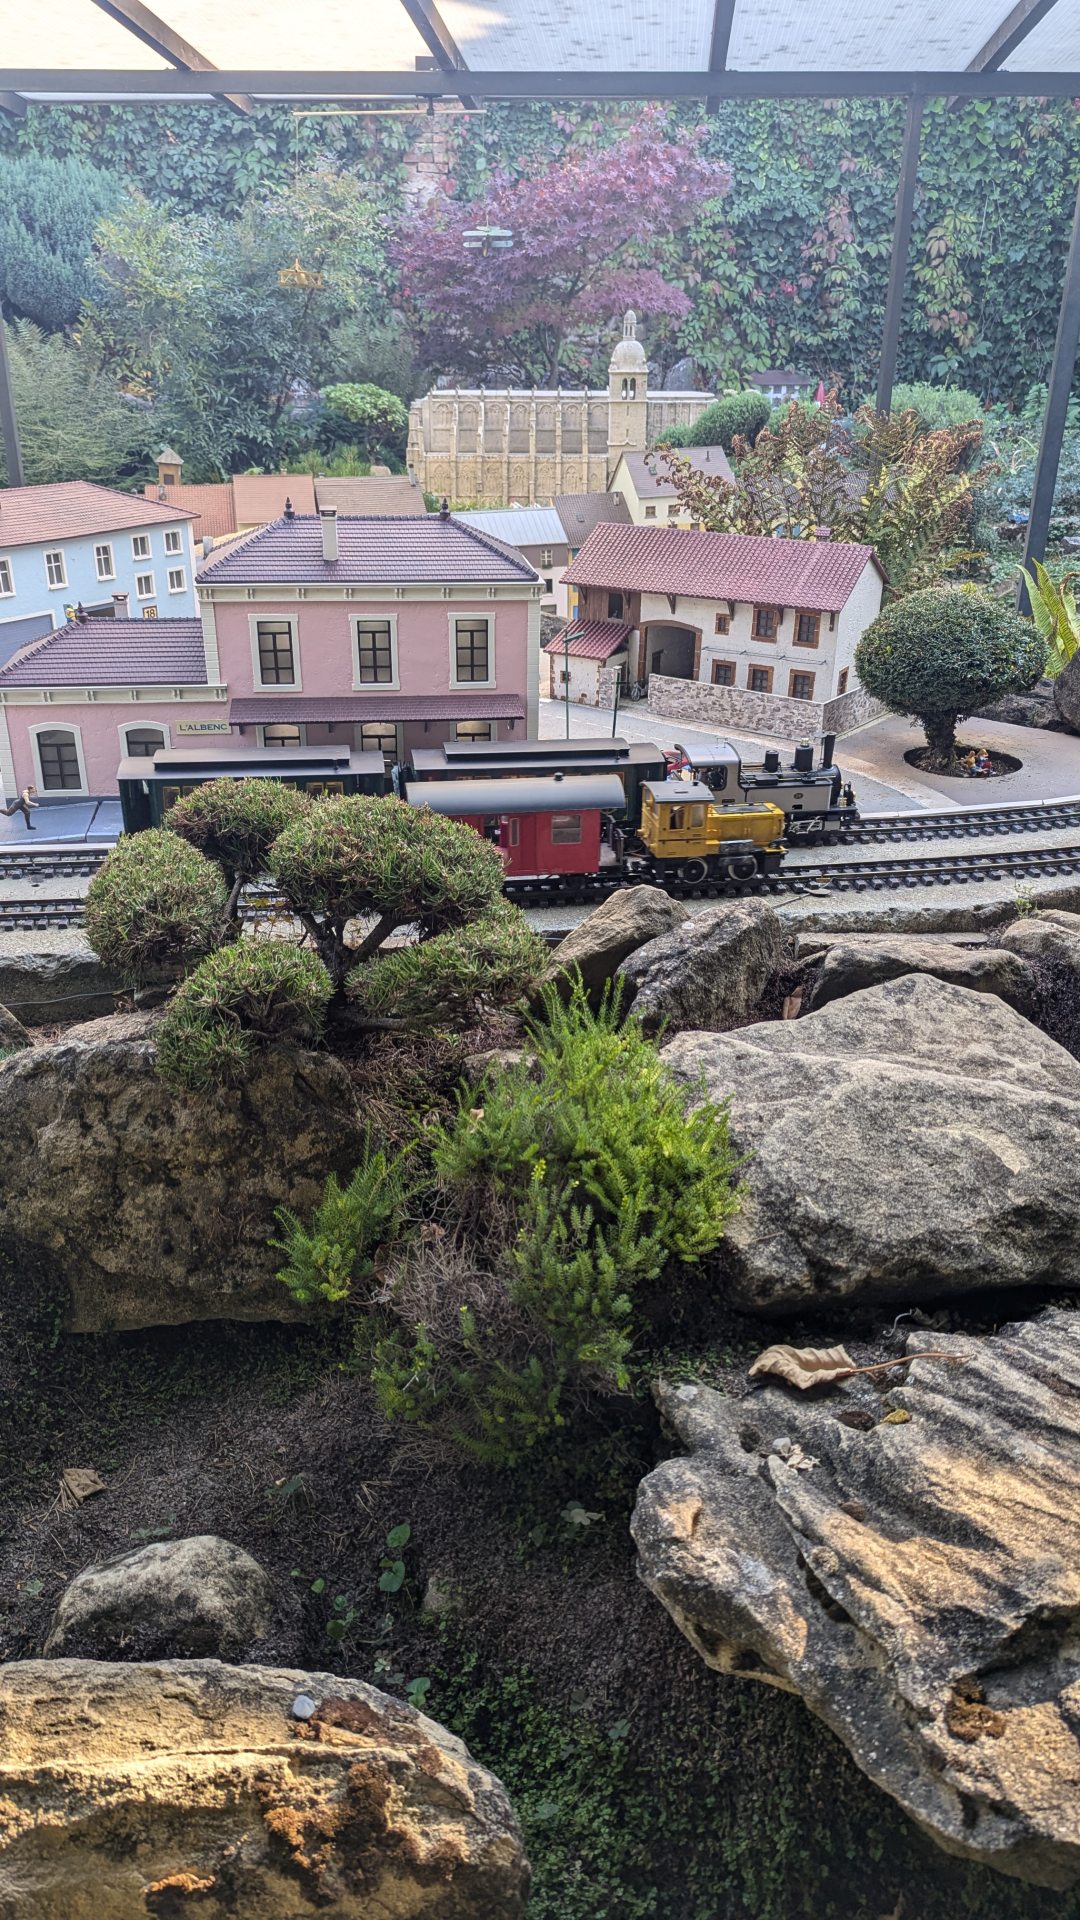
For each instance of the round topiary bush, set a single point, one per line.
(253, 994)
(154, 904)
(943, 653)
(402, 864)
(742, 414)
(234, 821)
(490, 962)
(676, 436)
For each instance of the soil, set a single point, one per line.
(1001, 763)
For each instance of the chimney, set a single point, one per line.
(120, 606)
(328, 518)
(81, 614)
(288, 514)
(444, 510)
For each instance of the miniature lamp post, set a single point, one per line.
(487, 240)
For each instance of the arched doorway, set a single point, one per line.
(667, 647)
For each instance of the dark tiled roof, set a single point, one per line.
(590, 639)
(268, 708)
(649, 471)
(372, 550)
(581, 512)
(73, 508)
(720, 566)
(112, 653)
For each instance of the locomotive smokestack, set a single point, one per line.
(827, 745)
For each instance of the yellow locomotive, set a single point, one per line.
(686, 836)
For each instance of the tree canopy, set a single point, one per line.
(73, 423)
(49, 209)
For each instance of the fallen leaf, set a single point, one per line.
(896, 1418)
(799, 1461)
(804, 1366)
(792, 1005)
(476, 1113)
(77, 1484)
(858, 1418)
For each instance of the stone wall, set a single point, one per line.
(715, 708)
(849, 710)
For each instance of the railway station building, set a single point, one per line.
(316, 630)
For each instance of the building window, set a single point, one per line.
(722, 623)
(277, 661)
(144, 586)
(7, 583)
(614, 606)
(841, 681)
(565, 829)
(282, 736)
(473, 730)
(723, 673)
(807, 629)
(149, 613)
(177, 580)
(548, 586)
(140, 546)
(766, 622)
(374, 653)
(377, 737)
(472, 650)
(759, 679)
(801, 686)
(55, 570)
(58, 760)
(172, 541)
(143, 742)
(674, 510)
(650, 513)
(545, 557)
(103, 561)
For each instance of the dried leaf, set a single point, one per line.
(77, 1484)
(798, 1461)
(804, 1366)
(792, 1005)
(857, 1417)
(896, 1418)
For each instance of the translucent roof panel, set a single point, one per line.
(787, 36)
(638, 36)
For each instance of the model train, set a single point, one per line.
(568, 816)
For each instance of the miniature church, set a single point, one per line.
(491, 446)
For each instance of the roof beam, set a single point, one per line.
(98, 83)
(1006, 37)
(138, 19)
(438, 39)
(11, 103)
(1058, 393)
(723, 16)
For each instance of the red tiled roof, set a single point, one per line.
(590, 639)
(259, 497)
(212, 506)
(373, 550)
(721, 566)
(72, 508)
(371, 493)
(112, 653)
(271, 707)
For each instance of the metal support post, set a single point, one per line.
(9, 426)
(901, 246)
(1058, 390)
(566, 674)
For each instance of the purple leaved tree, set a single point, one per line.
(592, 233)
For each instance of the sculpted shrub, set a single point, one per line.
(251, 995)
(154, 905)
(488, 963)
(234, 822)
(736, 414)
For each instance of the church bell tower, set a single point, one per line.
(628, 395)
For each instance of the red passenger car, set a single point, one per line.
(541, 826)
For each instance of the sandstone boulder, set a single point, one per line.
(13, 1035)
(196, 1596)
(63, 979)
(603, 940)
(908, 1142)
(1067, 694)
(158, 1209)
(849, 966)
(711, 972)
(192, 1787)
(915, 1577)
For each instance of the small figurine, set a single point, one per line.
(23, 805)
(849, 794)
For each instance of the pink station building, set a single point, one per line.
(315, 630)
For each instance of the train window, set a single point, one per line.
(318, 789)
(766, 622)
(513, 833)
(807, 629)
(375, 652)
(277, 664)
(675, 819)
(143, 742)
(801, 686)
(697, 814)
(282, 736)
(723, 673)
(565, 829)
(841, 681)
(58, 757)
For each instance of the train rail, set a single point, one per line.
(965, 823)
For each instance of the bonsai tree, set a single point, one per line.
(944, 653)
(155, 906)
(234, 823)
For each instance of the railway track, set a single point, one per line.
(1033, 816)
(885, 875)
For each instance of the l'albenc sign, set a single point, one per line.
(203, 726)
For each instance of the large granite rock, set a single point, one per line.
(600, 943)
(193, 1788)
(195, 1596)
(13, 1035)
(908, 1142)
(159, 1209)
(915, 1576)
(711, 972)
(1052, 936)
(62, 979)
(979, 911)
(1035, 708)
(1067, 694)
(851, 965)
